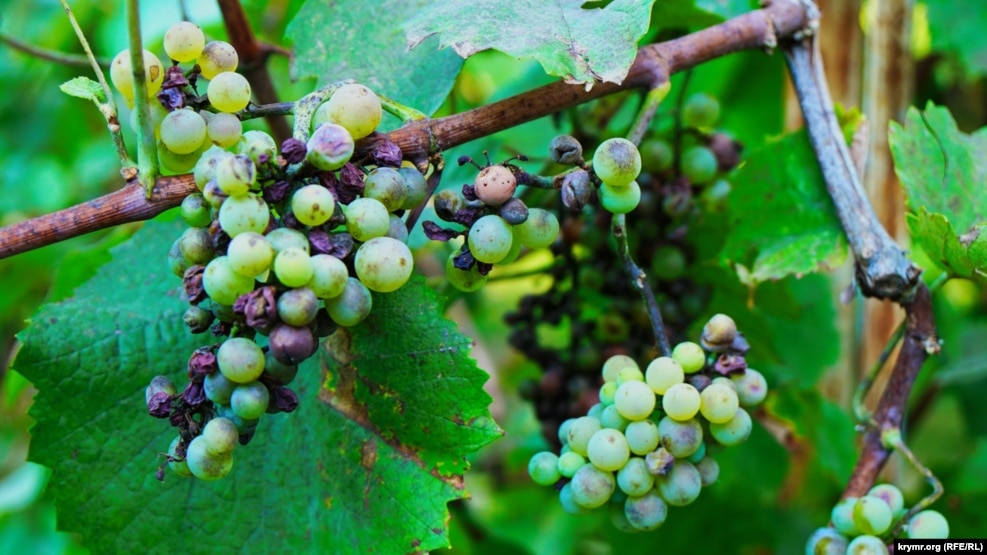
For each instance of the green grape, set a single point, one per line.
(927, 525)
(715, 194)
(223, 312)
(610, 418)
(681, 485)
(615, 510)
(179, 467)
(195, 211)
(184, 41)
(229, 92)
(196, 245)
(690, 355)
(157, 113)
(298, 307)
(351, 306)
(512, 255)
(826, 541)
(283, 373)
(242, 424)
(642, 437)
(249, 401)
(615, 364)
(662, 373)
(205, 169)
(416, 188)
(872, 515)
(223, 284)
(495, 185)
(540, 230)
(656, 155)
(681, 401)
(352, 106)
(464, 280)
(634, 400)
(313, 205)
(681, 439)
(250, 254)
(592, 487)
(235, 175)
(218, 388)
(205, 465)
(397, 229)
(569, 504)
(699, 165)
(607, 450)
(580, 432)
(220, 436)
(544, 468)
(698, 455)
(383, 264)
(842, 517)
(733, 432)
(596, 411)
(329, 276)
(866, 545)
(752, 388)
(708, 469)
(256, 144)
(171, 163)
(607, 392)
(224, 130)
(176, 261)
(700, 111)
(241, 214)
(366, 218)
(183, 131)
(634, 479)
(619, 200)
(646, 512)
(891, 495)
(617, 162)
(490, 239)
(330, 147)
(719, 403)
(563, 434)
(293, 267)
(629, 374)
(570, 462)
(240, 360)
(668, 263)
(122, 75)
(724, 381)
(217, 57)
(386, 185)
(285, 238)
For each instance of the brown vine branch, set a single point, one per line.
(760, 29)
(63, 58)
(618, 228)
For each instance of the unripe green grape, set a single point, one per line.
(495, 185)
(681, 402)
(297, 307)
(352, 305)
(708, 469)
(872, 515)
(217, 57)
(352, 106)
(515, 252)
(183, 131)
(634, 478)
(223, 284)
(617, 162)
(927, 525)
(330, 147)
(386, 185)
(313, 205)
(464, 280)
(293, 267)
(179, 467)
(629, 374)
(690, 355)
(719, 403)
(283, 373)
(563, 434)
(223, 312)
(610, 418)
(733, 432)
(122, 74)
(647, 512)
(195, 211)
(540, 229)
(240, 360)
(698, 455)
(615, 364)
(607, 450)
(490, 239)
(242, 424)
(249, 401)
(224, 130)
(416, 188)
(286, 238)
(383, 264)
(250, 254)
(619, 200)
(892, 496)
(176, 261)
(196, 245)
(580, 432)
(700, 111)
(229, 92)
(592, 487)
(184, 41)
(634, 400)
(642, 437)
(607, 392)
(615, 510)
(668, 263)
(570, 462)
(220, 436)
(235, 175)
(752, 388)
(866, 545)
(240, 214)
(157, 113)
(567, 502)
(826, 541)
(218, 388)
(656, 155)
(662, 373)
(205, 169)
(842, 517)
(366, 218)
(544, 468)
(255, 144)
(171, 163)
(397, 229)
(329, 275)
(205, 465)
(699, 165)
(724, 381)
(681, 485)
(596, 411)
(681, 439)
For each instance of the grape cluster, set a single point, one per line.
(281, 249)
(867, 525)
(649, 442)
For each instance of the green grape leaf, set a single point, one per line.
(367, 463)
(782, 219)
(943, 172)
(85, 88)
(957, 27)
(353, 39)
(572, 39)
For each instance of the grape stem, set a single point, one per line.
(618, 228)
(400, 111)
(437, 162)
(147, 148)
(892, 439)
(55, 56)
(647, 112)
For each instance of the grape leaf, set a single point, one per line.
(943, 171)
(367, 463)
(782, 220)
(572, 39)
(353, 39)
(85, 88)
(957, 27)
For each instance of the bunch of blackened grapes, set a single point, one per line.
(281, 250)
(866, 525)
(650, 441)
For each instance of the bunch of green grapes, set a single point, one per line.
(868, 525)
(650, 441)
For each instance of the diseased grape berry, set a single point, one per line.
(494, 185)
(329, 147)
(700, 111)
(354, 107)
(617, 162)
(565, 149)
(184, 41)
